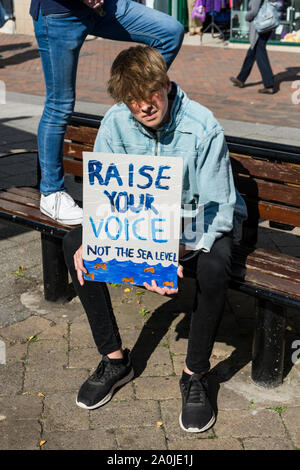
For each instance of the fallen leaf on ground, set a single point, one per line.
(32, 338)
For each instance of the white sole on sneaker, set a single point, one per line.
(207, 426)
(60, 221)
(109, 395)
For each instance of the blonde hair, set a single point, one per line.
(136, 74)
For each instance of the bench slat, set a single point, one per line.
(272, 256)
(272, 267)
(267, 190)
(85, 135)
(23, 210)
(283, 172)
(275, 271)
(26, 201)
(286, 272)
(74, 167)
(75, 150)
(271, 211)
(28, 212)
(267, 281)
(29, 192)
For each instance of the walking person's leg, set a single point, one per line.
(212, 275)
(115, 369)
(263, 62)
(247, 65)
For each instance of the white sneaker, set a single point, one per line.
(61, 207)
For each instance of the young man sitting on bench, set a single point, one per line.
(153, 116)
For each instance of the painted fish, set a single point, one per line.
(149, 270)
(98, 266)
(127, 279)
(92, 275)
(168, 284)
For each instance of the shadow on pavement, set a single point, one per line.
(290, 74)
(248, 85)
(236, 330)
(13, 47)
(19, 169)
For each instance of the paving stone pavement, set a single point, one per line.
(50, 352)
(49, 348)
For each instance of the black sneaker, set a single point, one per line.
(197, 414)
(100, 386)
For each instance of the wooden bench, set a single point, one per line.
(268, 177)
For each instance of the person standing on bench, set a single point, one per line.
(152, 109)
(61, 27)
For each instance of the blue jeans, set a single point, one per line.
(59, 38)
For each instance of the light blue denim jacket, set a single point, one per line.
(210, 204)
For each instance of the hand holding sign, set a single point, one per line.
(79, 266)
(164, 290)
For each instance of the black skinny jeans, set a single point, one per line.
(212, 271)
(260, 55)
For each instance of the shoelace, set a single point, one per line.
(104, 370)
(196, 390)
(58, 199)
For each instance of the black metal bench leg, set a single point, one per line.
(268, 344)
(54, 268)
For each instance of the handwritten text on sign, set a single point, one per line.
(131, 225)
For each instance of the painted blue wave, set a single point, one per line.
(118, 271)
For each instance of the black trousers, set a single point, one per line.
(212, 272)
(260, 55)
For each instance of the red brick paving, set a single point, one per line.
(203, 72)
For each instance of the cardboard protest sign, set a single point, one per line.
(131, 218)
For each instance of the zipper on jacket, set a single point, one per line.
(156, 143)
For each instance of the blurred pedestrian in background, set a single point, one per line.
(257, 52)
(195, 24)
